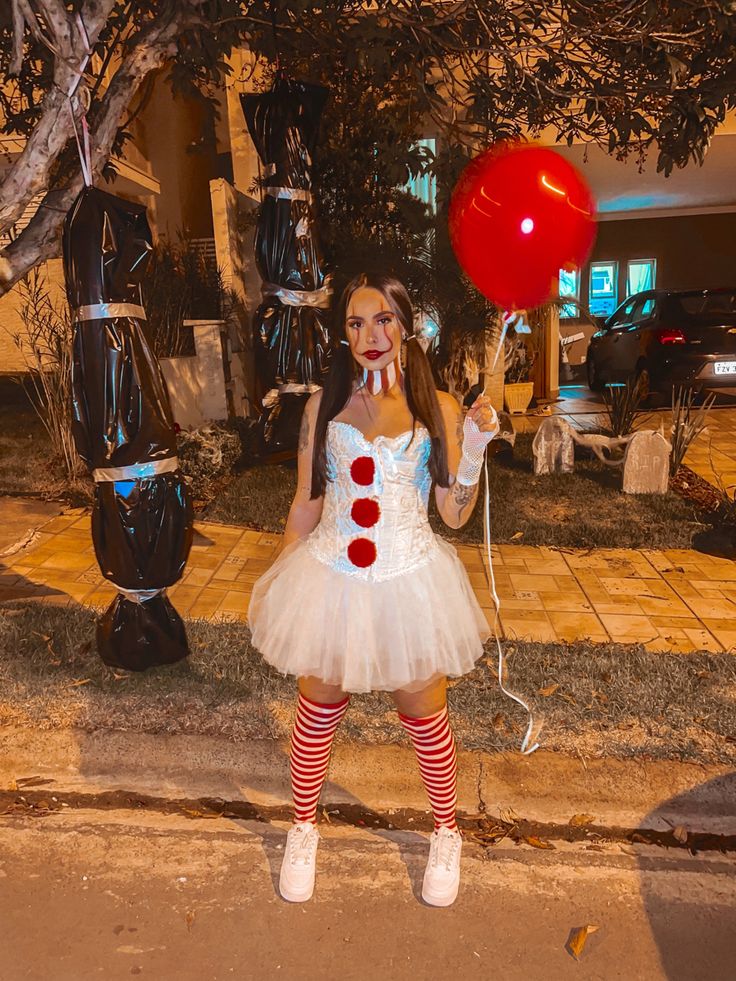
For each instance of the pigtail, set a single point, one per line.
(421, 397)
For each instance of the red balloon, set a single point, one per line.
(517, 216)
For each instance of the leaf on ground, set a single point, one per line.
(32, 782)
(189, 918)
(579, 820)
(509, 816)
(549, 690)
(680, 834)
(516, 536)
(491, 835)
(537, 842)
(578, 938)
(498, 721)
(201, 814)
(81, 681)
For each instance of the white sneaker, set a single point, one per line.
(296, 883)
(442, 875)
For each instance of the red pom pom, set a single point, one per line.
(362, 552)
(363, 470)
(365, 512)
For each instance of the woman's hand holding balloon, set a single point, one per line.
(480, 426)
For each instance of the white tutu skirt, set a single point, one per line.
(307, 618)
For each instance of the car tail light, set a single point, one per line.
(668, 335)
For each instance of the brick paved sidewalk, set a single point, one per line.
(676, 600)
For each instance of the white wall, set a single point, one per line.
(196, 384)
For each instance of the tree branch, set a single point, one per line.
(30, 172)
(40, 239)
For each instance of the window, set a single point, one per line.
(603, 290)
(624, 315)
(645, 310)
(424, 186)
(569, 287)
(640, 275)
(706, 309)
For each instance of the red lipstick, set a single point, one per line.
(373, 354)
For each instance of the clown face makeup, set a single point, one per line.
(374, 334)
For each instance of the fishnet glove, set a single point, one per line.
(475, 441)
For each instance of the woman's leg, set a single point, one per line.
(320, 708)
(424, 715)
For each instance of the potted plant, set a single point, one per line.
(519, 359)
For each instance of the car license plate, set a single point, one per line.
(725, 367)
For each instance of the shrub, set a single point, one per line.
(206, 454)
(47, 345)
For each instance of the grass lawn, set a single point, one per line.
(610, 700)
(583, 509)
(25, 448)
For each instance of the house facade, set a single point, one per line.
(199, 180)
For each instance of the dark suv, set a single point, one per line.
(667, 338)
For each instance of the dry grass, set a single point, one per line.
(27, 464)
(611, 700)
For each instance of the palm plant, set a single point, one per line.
(687, 423)
(623, 405)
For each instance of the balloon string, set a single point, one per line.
(84, 154)
(525, 748)
(508, 316)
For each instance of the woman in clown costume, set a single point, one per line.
(364, 596)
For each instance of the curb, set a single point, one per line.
(545, 787)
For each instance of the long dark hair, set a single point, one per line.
(419, 388)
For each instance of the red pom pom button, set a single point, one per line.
(362, 552)
(363, 470)
(365, 512)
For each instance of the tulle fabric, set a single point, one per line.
(308, 618)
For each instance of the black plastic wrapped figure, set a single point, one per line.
(292, 321)
(124, 431)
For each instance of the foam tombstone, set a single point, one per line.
(292, 320)
(124, 431)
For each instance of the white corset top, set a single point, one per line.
(374, 521)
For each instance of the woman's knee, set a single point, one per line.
(427, 701)
(317, 691)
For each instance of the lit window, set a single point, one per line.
(640, 275)
(603, 291)
(424, 186)
(569, 288)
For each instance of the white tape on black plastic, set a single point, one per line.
(289, 193)
(140, 595)
(526, 749)
(299, 298)
(137, 471)
(271, 397)
(106, 311)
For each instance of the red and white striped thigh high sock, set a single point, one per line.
(311, 743)
(434, 744)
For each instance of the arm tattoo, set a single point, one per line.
(459, 432)
(462, 495)
(304, 434)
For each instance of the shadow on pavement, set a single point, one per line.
(695, 931)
